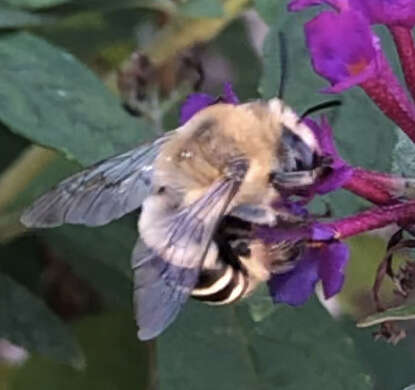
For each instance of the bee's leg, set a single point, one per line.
(263, 215)
(284, 256)
(294, 179)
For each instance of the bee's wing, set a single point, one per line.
(165, 276)
(99, 194)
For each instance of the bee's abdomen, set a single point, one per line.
(221, 286)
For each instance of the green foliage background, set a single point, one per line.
(58, 65)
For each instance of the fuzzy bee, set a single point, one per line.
(228, 161)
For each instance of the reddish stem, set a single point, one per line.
(374, 218)
(404, 42)
(376, 187)
(391, 98)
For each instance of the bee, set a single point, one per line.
(227, 161)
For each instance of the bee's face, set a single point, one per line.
(298, 158)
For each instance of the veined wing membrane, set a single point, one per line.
(99, 194)
(165, 275)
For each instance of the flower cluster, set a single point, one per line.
(346, 51)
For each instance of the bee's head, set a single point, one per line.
(298, 149)
(296, 154)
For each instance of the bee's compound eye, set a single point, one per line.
(300, 165)
(298, 155)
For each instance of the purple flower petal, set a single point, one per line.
(334, 180)
(229, 96)
(313, 231)
(193, 104)
(296, 286)
(343, 48)
(198, 101)
(286, 233)
(325, 139)
(340, 171)
(293, 207)
(388, 12)
(326, 262)
(332, 262)
(321, 232)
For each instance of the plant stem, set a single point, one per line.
(22, 171)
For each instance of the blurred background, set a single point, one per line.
(81, 80)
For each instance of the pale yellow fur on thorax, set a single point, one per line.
(247, 131)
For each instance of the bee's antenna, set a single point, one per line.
(320, 106)
(283, 63)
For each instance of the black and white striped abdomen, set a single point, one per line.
(221, 286)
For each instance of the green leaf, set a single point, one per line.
(241, 57)
(115, 359)
(109, 32)
(404, 156)
(399, 313)
(100, 256)
(383, 358)
(26, 321)
(268, 10)
(292, 348)
(201, 9)
(271, 74)
(47, 96)
(35, 3)
(11, 146)
(355, 297)
(21, 260)
(114, 287)
(14, 18)
(112, 244)
(110, 5)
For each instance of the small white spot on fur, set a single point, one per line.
(185, 154)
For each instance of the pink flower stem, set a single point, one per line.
(388, 94)
(376, 187)
(404, 42)
(374, 218)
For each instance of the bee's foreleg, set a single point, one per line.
(294, 179)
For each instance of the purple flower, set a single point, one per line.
(312, 231)
(198, 101)
(346, 52)
(343, 49)
(387, 12)
(324, 261)
(324, 258)
(339, 172)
